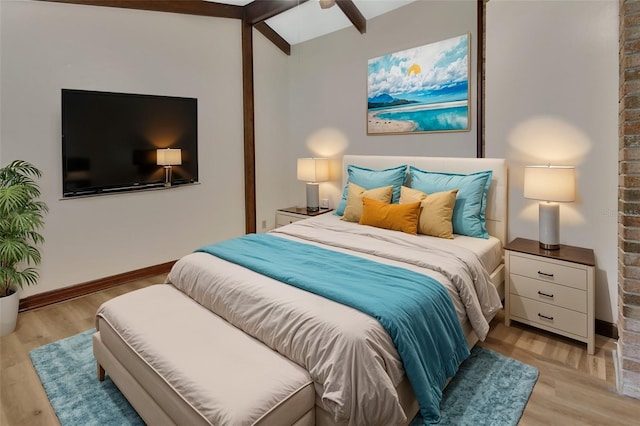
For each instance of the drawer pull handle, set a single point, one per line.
(544, 274)
(545, 317)
(545, 294)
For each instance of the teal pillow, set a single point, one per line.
(471, 202)
(369, 179)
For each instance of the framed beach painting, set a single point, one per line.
(424, 89)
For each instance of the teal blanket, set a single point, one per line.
(415, 310)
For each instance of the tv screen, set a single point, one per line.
(109, 141)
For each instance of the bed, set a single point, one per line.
(354, 362)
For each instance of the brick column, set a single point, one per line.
(629, 201)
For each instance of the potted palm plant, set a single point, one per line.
(21, 217)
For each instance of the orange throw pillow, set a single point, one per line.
(397, 217)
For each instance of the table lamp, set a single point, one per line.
(168, 157)
(312, 171)
(549, 184)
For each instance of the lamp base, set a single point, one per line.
(167, 176)
(313, 197)
(544, 246)
(549, 226)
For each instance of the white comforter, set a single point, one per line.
(349, 355)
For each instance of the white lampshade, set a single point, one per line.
(313, 169)
(550, 183)
(169, 157)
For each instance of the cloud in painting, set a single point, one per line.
(441, 64)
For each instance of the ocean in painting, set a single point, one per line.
(435, 110)
(427, 118)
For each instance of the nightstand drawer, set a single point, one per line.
(551, 272)
(293, 214)
(551, 293)
(548, 315)
(285, 219)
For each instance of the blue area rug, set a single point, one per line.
(67, 370)
(489, 389)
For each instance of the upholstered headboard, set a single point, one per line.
(496, 213)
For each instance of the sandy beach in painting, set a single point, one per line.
(380, 125)
(377, 124)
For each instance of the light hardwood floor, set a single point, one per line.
(573, 388)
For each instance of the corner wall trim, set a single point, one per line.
(606, 329)
(55, 296)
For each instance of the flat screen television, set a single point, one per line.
(109, 141)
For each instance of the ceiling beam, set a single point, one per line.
(353, 13)
(261, 10)
(189, 7)
(273, 37)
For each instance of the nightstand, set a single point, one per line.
(551, 289)
(293, 214)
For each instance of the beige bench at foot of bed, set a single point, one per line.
(178, 363)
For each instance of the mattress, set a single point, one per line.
(489, 251)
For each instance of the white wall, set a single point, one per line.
(552, 97)
(274, 172)
(328, 88)
(49, 46)
(1, 163)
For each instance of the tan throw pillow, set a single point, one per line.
(355, 194)
(410, 195)
(436, 210)
(397, 217)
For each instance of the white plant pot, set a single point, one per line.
(8, 313)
